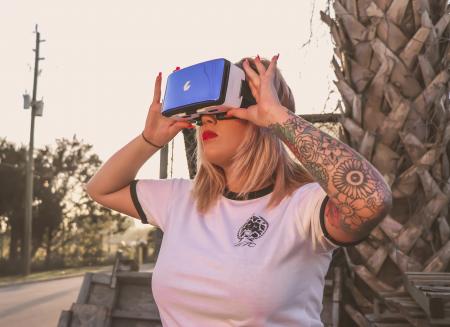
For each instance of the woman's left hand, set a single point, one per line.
(262, 86)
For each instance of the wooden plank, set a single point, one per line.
(88, 315)
(440, 295)
(135, 277)
(356, 316)
(101, 278)
(124, 322)
(113, 281)
(360, 299)
(374, 283)
(392, 324)
(419, 274)
(432, 306)
(130, 303)
(428, 280)
(116, 294)
(376, 261)
(101, 294)
(64, 319)
(128, 295)
(152, 316)
(398, 303)
(337, 296)
(83, 296)
(433, 289)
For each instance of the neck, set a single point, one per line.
(234, 185)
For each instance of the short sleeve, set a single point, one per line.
(311, 212)
(152, 198)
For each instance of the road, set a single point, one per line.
(38, 304)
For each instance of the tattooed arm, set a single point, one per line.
(359, 196)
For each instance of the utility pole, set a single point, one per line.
(26, 249)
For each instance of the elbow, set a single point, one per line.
(88, 191)
(87, 187)
(94, 196)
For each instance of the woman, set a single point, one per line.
(249, 241)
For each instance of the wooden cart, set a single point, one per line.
(100, 303)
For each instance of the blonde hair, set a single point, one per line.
(261, 158)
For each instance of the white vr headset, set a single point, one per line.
(211, 87)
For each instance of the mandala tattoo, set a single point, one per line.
(360, 196)
(353, 179)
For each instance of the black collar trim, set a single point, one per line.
(250, 196)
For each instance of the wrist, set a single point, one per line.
(278, 115)
(149, 141)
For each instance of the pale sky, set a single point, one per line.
(101, 58)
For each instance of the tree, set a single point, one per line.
(391, 63)
(66, 221)
(12, 193)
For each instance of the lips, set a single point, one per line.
(207, 135)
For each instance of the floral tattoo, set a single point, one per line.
(358, 191)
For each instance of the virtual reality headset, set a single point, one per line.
(211, 87)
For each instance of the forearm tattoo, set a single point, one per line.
(357, 189)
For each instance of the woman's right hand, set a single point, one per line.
(159, 129)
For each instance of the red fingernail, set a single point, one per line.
(159, 74)
(178, 68)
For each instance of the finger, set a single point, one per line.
(273, 66)
(254, 90)
(253, 76)
(241, 113)
(156, 107)
(157, 91)
(177, 126)
(253, 79)
(259, 65)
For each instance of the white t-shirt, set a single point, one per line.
(239, 264)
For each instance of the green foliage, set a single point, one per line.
(68, 226)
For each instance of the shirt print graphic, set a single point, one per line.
(254, 228)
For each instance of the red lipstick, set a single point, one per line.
(206, 135)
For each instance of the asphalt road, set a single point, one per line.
(37, 304)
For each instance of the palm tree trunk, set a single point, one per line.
(391, 60)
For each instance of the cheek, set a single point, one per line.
(233, 140)
(225, 147)
(234, 137)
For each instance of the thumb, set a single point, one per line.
(179, 125)
(241, 113)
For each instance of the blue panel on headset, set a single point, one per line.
(194, 87)
(210, 87)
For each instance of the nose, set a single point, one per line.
(208, 119)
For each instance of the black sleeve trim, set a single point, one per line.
(325, 232)
(136, 203)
